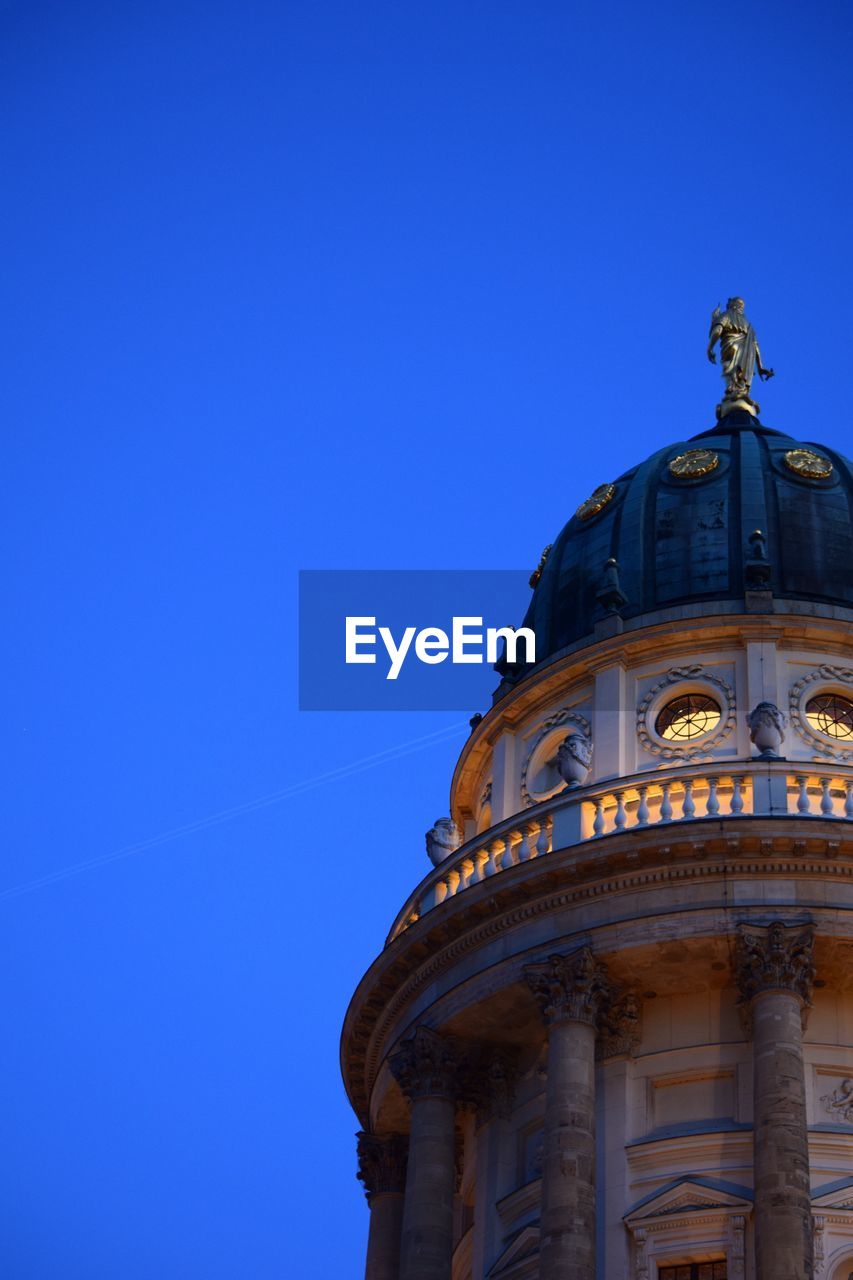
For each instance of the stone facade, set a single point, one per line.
(614, 1029)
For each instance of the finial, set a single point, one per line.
(610, 594)
(740, 357)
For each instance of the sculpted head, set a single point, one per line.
(735, 304)
(442, 839)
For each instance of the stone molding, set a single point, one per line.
(382, 1163)
(693, 677)
(775, 957)
(822, 679)
(571, 988)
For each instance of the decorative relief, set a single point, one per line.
(802, 692)
(738, 1229)
(596, 501)
(540, 755)
(382, 1163)
(426, 1065)
(775, 958)
(619, 1028)
(572, 987)
(839, 1103)
(808, 464)
(543, 560)
(695, 677)
(574, 758)
(694, 463)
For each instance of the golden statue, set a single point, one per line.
(740, 357)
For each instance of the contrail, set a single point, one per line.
(250, 806)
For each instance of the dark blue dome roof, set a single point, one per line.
(683, 540)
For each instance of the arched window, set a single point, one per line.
(687, 716)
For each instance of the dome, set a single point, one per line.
(740, 516)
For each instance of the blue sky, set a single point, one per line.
(319, 285)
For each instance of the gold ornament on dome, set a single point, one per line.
(694, 463)
(596, 501)
(811, 465)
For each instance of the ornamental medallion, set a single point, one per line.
(596, 501)
(694, 463)
(813, 466)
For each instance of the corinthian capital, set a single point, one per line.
(382, 1163)
(572, 988)
(775, 958)
(425, 1065)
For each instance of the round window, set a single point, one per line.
(687, 717)
(832, 714)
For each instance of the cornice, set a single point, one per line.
(761, 847)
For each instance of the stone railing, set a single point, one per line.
(687, 793)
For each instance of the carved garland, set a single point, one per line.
(802, 692)
(693, 675)
(571, 719)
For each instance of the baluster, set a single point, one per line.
(737, 795)
(507, 860)
(803, 803)
(643, 808)
(452, 879)
(848, 801)
(477, 861)
(598, 823)
(713, 806)
(666, 804)
(621, 818)
(440, 892)
(524, 853)
(543, 844)
(464, 869)
(492, 866)
(688, 804)
(826, 805)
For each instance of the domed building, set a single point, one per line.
(610, 1034)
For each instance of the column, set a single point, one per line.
(382, 1169)
(425, 1067)
(572, 991)
(775, 973)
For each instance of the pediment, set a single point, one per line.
(520, 1258)
(689, 1194)
(834, 1195)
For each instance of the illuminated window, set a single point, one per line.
(687, 717)
(831, 714)
(695, 1271)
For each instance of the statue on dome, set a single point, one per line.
(442, 840)
(740, 357)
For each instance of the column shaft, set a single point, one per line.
(783, 1229)
(427, 1236)
(567, 1241)
(383, 1242)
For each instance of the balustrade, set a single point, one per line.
(680, 795)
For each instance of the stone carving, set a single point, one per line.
(840, 1102)
(610, 594)
(775, 958)
(767, 729)
(572, 988)
(802, 692)
(543, 560)
(382, 1163)
(619, 1027)
(426, 1065)
(757, 568)
(575, 723)
(740, 357)
(574, 758)
(692, 675)
(442, 840)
